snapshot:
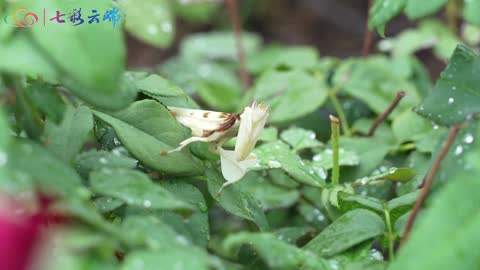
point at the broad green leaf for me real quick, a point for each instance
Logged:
(169, 258)
(371, 152)
(216, 84)
(152, 21)
(46, 99)
(235, 201)
(165, 91)
(28, 116)
(270, 248)
(217, 45)
(383, 11)
(358, 258)
(269, 195)
(290, 94)
(92, 68)
(349, 202)
(409, 126)
(371, 80)
(348, 230)
(280, 56)
(146, 129)
(456, 94)
(136, 189)
(419, 8)
(32, 166)
(325, 158)
(269, 134)
(300, 138)
(277, 155)
(401, 205)
(292, 235)
(196, 225)
(107, 204)
(196, 12)
(102, 160)
(443, 238)
(471, 9)
(66, 140)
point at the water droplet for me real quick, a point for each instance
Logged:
(317, 158)
(312, 136)
(147, 203)
(469, 138)
(274, 164)
(458, 150)
(451, 100)
(152, 29)
(167, 27)
(103, 160)
(3, 159)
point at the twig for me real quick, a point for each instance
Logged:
(237, 28)
(386, 113)
(338, 108)
(367, 37)
(429, 180)
(335, 124)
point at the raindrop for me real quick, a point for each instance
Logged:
(469, 138)
(274, 164)
(312, 136)
(317, 158)
(147, 203)
(152, 29)
(3, 158)
(458, 150)
(451, 100)
(103, 160)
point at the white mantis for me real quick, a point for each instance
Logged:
(217, 128)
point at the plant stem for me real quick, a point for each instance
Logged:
(339, 109)
(367, 38)
(335, 124)
(237, 28)
(386, 113)
(429, 180)
(452, 15)
(391, 239)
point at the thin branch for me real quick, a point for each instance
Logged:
(386, 113)
(335, 124)
(341, 114)
(428, 181)
(237, 28)
(367, 38)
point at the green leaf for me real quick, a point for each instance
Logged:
(371, 152)
(456, 94)
(409, 126)
(5, 139)
(300, 138)
(349, 202)
(136, 189)
(152, 21)
(282, 56)
(371, 80)
(196, 12)
(146, 129)
(383, 11)
(269, 247)
(76, 63)
(348, 230)
(67, 139)
(33, 165)
(401, 205)
(418, 8)
(443, 238)
(277, 155)
(98, 160)
(325, 159)
(471, 9)
(196, 226)
(235, 201)
(269, 195)
(170, 258)
(216, 84)
(164, 91)
(292, 235)
(217, 45)
(46, 99)
(400, 174)
(290, 94)
(28, 116)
